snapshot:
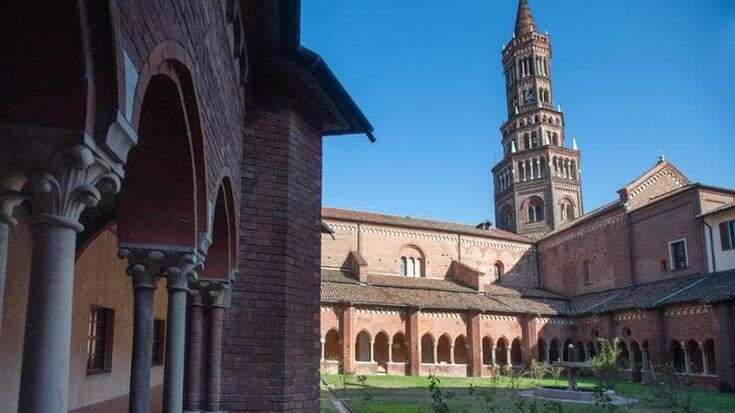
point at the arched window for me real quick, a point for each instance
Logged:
(677, 356)
(554, 351)
(380, 349)
(535, 206)
(427, 349)
(516, 353)
(411, 262)
(695, 357)
(487, 351)
(460, 350)
(501, 352)
(498, 270)
(710, 364)
(566, 210)
(541, 349)
(363, 347)
(637, 355)
(624, 355)
(587, 272)
(399, 348)
(332, 348)
(444, 350)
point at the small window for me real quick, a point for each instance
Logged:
(587, 269)
(159, 342)
(99, 339)
(678, 254)
(727, 235)
(499, 270)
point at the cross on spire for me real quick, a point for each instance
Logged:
(524, 19)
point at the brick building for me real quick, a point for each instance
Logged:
(654, 267)
(160, 198)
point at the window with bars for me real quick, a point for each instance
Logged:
(99, 339)
(159, 342)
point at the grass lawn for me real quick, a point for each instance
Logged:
(404, 394)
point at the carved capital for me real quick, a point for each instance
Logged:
(220, 295)
(69, 182)
(9, 200)
(179, 265)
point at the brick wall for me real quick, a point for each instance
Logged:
(271, 345)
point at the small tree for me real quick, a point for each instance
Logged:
(605, 366)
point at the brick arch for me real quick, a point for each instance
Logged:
(222, 253)
(487, 350)
(381, 350)
(332, 345)
(444, 348)
(400, 350)
(428, 344)
(460, 350)
(501, 351)
(164, 196)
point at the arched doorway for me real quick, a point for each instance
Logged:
(516, 353)
(380, 349)
(444, 350)
(427, 349)
(399, 348)
(501, 352)
(332, 347)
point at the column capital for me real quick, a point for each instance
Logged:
(71, 180)
(9, 200)
(179, 264)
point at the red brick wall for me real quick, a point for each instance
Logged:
(603, 241)
(652, 228)
(272, 333)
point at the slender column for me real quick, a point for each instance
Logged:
(372, 353)
(705, 367)
(143, 266)
(58, 196)
(177, 285)
(218, 303)
(436, 353)
(321, 340)
(390, 351)
(451, 354)
(547, 351)
(507, 356)
(8, 201)
(194, 352)
(492, 355)
(687, 360)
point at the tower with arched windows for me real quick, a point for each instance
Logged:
(537, 183)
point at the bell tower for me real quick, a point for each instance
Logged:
(537, 183)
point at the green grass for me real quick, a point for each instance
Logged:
(411, 394)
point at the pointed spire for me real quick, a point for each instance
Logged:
(524, 19)
(574, 144)
(512, 146)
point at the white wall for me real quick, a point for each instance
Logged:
(724, 260)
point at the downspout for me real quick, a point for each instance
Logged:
(711, 245)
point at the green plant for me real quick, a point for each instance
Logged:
(671, 390)
(439, 397)
(605, 363)
(538, 370)
(362, 379)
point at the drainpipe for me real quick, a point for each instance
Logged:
(711, 245)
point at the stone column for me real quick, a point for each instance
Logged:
(547, 352)
(143, 267)
(217, 303)
(687, 359)
(321, 340)
(705, 367)
(348, 351)
(194, 351)
(177, 282)
(451, 353)
(507, 355)
(8, 201)
(58, 196)
(436, 352)
(390, 350)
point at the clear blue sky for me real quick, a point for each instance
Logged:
(633, 78)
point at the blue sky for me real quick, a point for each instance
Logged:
(633, 78)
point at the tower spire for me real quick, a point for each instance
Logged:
(524, 19)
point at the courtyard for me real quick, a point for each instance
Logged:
(383, 393)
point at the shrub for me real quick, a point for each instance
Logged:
(670, 390)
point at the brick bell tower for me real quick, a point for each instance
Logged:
(537, 183)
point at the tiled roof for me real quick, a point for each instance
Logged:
(371, 217)
(338, 286)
